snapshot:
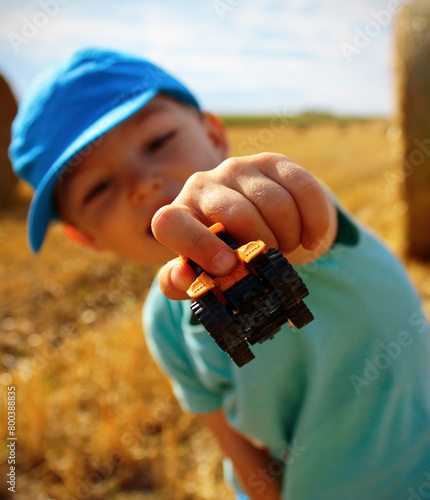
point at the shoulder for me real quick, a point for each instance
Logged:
(360, 268)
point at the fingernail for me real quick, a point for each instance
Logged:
(224, 261)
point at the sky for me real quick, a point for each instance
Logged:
(237, 56)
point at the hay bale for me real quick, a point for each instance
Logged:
(8, 180)
(413, 73)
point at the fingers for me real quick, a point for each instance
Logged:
(177, 228)
(278, 222)
(265, 197)
(288, 206)
(175, 278)
(220, 198)
(309, 198)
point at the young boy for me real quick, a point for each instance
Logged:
(123, 155)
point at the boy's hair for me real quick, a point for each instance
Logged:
(70, 106)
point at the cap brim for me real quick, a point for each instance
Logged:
(42, 210)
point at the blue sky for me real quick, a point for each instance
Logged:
(238, 56)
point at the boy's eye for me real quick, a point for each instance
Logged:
(159, 142)
(96, 190)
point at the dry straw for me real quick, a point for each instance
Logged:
(413, 73)
(8, 181)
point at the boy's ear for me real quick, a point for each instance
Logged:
(217, 132)
(80, 237)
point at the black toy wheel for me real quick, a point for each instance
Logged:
(275, 270)
(217, 321)
(300, 315)
(241, 354)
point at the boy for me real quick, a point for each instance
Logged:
(121, 152)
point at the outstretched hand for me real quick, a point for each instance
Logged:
(264, 196)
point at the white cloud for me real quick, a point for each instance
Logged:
(257, 52)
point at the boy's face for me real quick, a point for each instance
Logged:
(132, 171)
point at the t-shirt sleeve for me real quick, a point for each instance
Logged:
(162, 319)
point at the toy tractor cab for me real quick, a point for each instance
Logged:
(252, 303)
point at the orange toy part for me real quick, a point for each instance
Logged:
(217, 228)
(225, 282)
(201, 285)
(249, 251)
(220, 284)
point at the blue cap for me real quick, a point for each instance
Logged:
(68, 107)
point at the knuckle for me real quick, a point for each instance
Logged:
(237, 214)
(199, 243)
(275, 158)
(196, 181)
(287, 167)
(305, 183)
(231, 168)
(279, 162)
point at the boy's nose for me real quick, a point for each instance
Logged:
(143, 188)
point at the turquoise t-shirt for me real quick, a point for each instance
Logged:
(344, 402)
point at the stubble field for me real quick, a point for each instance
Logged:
(95, 417)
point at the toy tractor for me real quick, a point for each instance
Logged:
(252, 303)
